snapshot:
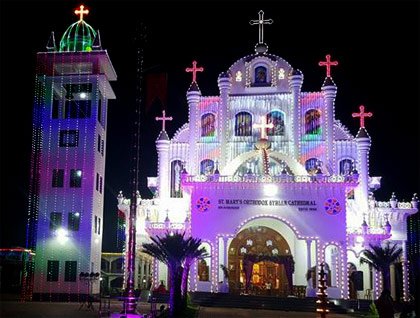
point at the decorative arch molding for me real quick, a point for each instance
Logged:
(297, 168)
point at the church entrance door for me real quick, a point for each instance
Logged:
(269, 277)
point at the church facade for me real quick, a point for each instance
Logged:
(273, 184)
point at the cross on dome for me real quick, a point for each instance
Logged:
(194, 69)
(263, 126)
(261, 23)
(362, 115)
(328, 63)
(81, 12)
(163, 119)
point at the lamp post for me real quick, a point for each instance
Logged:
(89, 278)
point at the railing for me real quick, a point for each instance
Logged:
(399, 205)
(264, 178)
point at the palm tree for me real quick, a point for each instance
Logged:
(177, 253)
(381, 258)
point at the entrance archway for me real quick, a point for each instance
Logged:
(268, 249)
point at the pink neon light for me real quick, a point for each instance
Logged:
(328, 63)
(81, 12)
(362, 115)
(163, 119)
(194, 70)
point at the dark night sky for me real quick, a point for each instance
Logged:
(376, 43)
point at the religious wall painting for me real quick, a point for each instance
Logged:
(207, 167)
(260, 76)
(346, 167)
(243, 124)
(276, 118)
(313, 122)
(208, 125)
(203, 265)
(176, 170)
(312, 165)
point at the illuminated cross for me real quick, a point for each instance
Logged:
(194, 70)
(362, 115)
(261, 23)
(328, 64)
(81, 12)
(163, 119)
(263, 127)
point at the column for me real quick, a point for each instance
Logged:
(308, 254)
(225, 255)
(193, 98)
(141, 272)
(392, 278)
(296, 81)
(225, 85)
(329, 90)
(405, 273)
(344, 275)
(162, 146)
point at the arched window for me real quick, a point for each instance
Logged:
(313, 122)
(207, 167)
(346, 167)
(311, 165)
(208, 125)
(176, 170)
(277, 119)
(260, 76)
(243, 124)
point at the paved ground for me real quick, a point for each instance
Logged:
(209, 312)
(14, 309)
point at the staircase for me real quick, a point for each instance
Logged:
(260, 302)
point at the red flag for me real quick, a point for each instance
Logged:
(156, 90)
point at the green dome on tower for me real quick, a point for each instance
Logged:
(79, 36)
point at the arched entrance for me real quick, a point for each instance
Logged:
(266, 247)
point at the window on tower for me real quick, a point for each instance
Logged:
(176, 171)
(243, 124)
(56, 220)
(75, 178)
(346, 167)
(208, 128)
(58, 178)
(276, 118)
(70, 271)
(313, 122)
(74, 221)
(69, 138)
(98, 146)
(55, 107)
(52, 271)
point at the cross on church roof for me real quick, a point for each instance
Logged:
(163, 119)
(328, 63)
(362, 115)
(194, 70)
(263, 126)
(261, 23)
(81, 12)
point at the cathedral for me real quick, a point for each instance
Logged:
(273, 184)
(264, 174)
